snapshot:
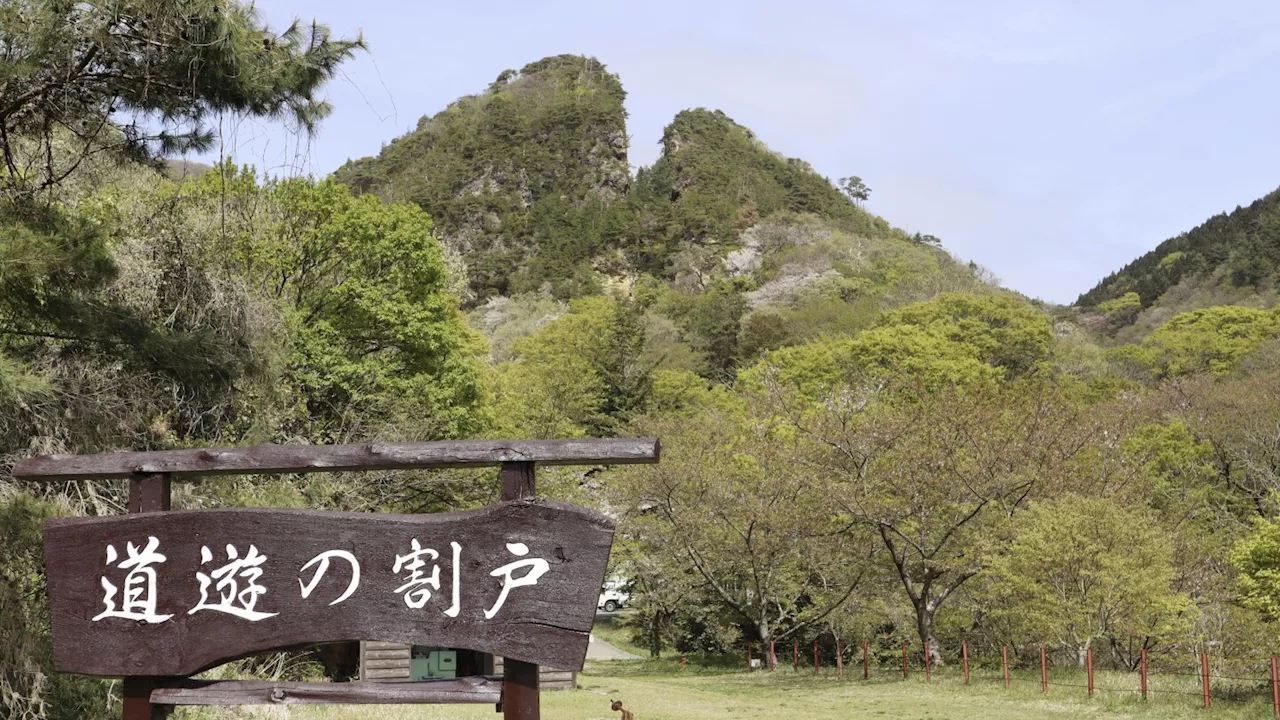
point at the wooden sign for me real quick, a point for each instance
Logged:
(174, 593)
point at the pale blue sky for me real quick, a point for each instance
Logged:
(1049, 141)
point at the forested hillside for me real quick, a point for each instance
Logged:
(1232, 258)
(863, 438)
(521, 178)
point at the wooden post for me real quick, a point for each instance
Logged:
(964, 656)
(928, 664)
(147, 493)
(795, 655)
(904, 660)
(1044, 672)
(815, 656)
(1089, 664)
(839, 659)
(773, 656)
(520, 698)
(1004, 654)
(1144, 673)
(1275, 686)
(866, 661)
(1204, 673)
(749, 668)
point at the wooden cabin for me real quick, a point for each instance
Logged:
(393, 662)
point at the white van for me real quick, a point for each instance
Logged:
(613, 596)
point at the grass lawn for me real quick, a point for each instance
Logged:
(662, 691)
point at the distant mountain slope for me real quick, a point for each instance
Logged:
(715, 178)
(732, 249)
(517, 178)
(1229, 257)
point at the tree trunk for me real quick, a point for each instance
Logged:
(655, 635)
(925, 610)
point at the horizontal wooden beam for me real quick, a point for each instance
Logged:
(256, 692)
(266, 459)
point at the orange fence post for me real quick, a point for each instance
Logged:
(1004, 654)
(748, 657)
(904, 661)
(839, 659)
(1275, 686)
(964, 654)
(1144, 673)
(928, 663)
(866, 661)
(795, 655)
(1204, 673)
(1044, 672)
(815, 656)
(1089, 662)
(773, 656)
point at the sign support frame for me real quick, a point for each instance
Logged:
(150, 476)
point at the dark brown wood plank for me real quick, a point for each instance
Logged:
(517, 480)
(248, 692)
(547, 622)
(330, 458)
(147, 493)
(520, 696)
(150, 493)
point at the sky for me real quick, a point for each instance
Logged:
(1049, 141)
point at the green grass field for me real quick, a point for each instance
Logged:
(664, 693)
(717, 687)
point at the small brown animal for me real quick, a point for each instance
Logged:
(626, 714)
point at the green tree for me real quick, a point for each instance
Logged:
(1211, 340)
(580, 374)
(375, 336)
(73, 70)
(733, 503)
(857, 190)
(1257, 559)
(936, 475)
(953, 339)
(1080, 570)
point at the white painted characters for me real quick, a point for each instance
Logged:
(417, 587)
(323, 559)
(138, 601)
(235, 587)
(233, 600)
(537, 568)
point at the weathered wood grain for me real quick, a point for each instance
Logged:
(147, 493)
(329, 458)
(520, 694)
(547, 623)
(245, 692)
